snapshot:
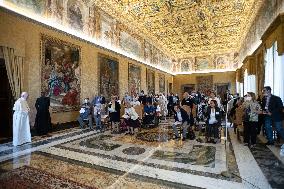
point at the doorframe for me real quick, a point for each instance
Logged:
(222, 84)
(187, 85)
(11, 101)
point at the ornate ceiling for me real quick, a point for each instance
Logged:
(186, 28)
(177, 36)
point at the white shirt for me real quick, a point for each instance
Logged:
(212, 118)
(130, 112)
(135, 103)
(179, 116)
(158, 110)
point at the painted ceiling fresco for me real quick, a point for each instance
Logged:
(187, 27)
(173, 35)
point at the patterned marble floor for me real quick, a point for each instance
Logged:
(149, 159)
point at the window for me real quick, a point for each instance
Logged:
(251, 83)
(238, 87)
(241, 89)
(268, 63)
(278, 74)
(246, 82)
(274, 71)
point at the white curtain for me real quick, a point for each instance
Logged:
(278, 85)
(246, 82)
(251, 84)
(241, 89)
(14, 66)
(268, 78)
(238, 87)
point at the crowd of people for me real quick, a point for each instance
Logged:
(251, 115)
(247, 114)
(193, 107)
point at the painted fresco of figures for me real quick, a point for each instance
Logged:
(60, 74)
(148, 51)
(202, 64)
(37, 6)
(130, 44)
(221, 63)
(134, 79)
(185, 66)
(167, 63)
(155, 56)
(58, 10)
(75, 16)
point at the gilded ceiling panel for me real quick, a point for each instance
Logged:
(187, 27)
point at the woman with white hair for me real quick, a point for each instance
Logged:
(21, 122)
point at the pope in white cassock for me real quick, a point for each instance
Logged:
(21, 122)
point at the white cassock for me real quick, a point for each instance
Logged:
(21, 123)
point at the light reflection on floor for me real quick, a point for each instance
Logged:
(150, 159)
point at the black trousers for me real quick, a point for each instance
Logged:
(170, 108)
(250, 132)
(148, 119)
(212, 130)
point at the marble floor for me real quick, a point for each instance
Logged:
(77, 158)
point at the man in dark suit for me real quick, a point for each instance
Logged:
(170, 104)
(181, 118)
(272, 107)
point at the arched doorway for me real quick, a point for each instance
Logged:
(6, 104)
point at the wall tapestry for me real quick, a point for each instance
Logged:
(205, 83)
(108, 76)
(134, 79)
(60, 73)
(162, 86)
(150, 81)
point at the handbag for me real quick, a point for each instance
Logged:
(247, 114)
